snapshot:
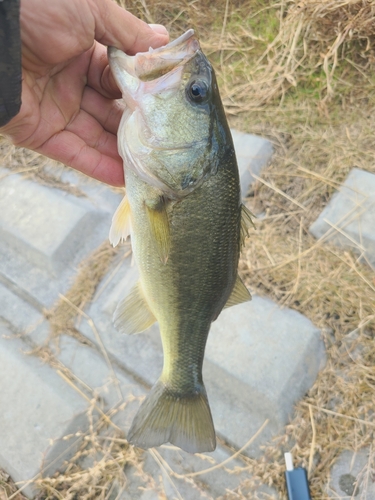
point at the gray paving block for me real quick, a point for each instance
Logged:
(352, 476)
(170, 473)
(44, 234)
(253, 154)
(212, 484)
(37, 409)
(259, 360)
(349, 218)
(107, 381)
(19, 315)
(42, 224)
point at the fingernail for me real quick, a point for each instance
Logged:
(159, 28)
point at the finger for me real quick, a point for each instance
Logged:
(99, 76)
(107, 112)
(92, 133)
(118, 27)
(74, 152)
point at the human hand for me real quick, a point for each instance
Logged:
(69, 112)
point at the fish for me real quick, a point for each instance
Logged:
(184, 214)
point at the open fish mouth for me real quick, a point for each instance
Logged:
(146, 66)
(163, 90)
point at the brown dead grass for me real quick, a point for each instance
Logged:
(300, 73)
(62, 316)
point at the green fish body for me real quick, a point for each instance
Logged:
(184, 213)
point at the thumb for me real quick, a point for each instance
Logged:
(118, 27)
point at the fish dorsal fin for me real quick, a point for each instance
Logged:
(159, 226)
(133, 314)
(246, 223)
(239, 294)
(121, 223)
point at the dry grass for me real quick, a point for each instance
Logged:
(327, 284)
(62, 317)
(300, 73)
(263, 48)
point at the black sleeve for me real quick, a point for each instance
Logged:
(10, 60)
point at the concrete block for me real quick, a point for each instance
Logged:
(135, 489)
(42, 224)
(352, 476)
(44, 234)
(37, 409)
(349, 218)
(193, 483)
(106, 381)
(18, 314)
(253, 153)
(259, 360)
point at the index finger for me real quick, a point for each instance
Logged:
(118, 27)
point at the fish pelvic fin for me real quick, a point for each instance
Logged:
(133, 315)
(246, 223)
(239, 294)
(121, 223)
(166, 416)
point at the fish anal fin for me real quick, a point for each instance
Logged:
(133, 314)
(183, 420)
(246, 223)
(159, 226)
(121, 223)
(239, 294)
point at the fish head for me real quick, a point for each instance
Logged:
(172, 131)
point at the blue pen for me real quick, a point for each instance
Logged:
(297, 484)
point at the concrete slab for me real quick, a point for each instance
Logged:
(349, 218)
(37, 409)
(19, 315)
(259, 360)
(42, 224)
(44, 234)
(106, 381)
(201, 476)
(352, 476)
(253, 154)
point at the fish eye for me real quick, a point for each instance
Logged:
(197, 91)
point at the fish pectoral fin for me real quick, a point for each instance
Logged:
(121, 223)
(159, 226)
(246, 223)
(133, 315)
(239, 294)
(181, 419)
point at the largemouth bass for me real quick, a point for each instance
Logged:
(187, 224)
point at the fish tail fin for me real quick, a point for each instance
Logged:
(166, 416)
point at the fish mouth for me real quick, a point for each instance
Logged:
(146, 66)
(151, 73)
